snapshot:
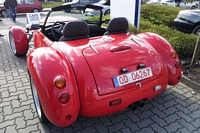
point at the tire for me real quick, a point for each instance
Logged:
(3, 13)
(193, 7)
(107, 12)
(35, 10)
(13, 45)
(196, 30)
(43, 119)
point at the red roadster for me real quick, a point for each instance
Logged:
(80, 67)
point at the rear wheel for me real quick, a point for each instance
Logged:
(3, 13)
(193, 7)
(36, 99)
(196, 30)
(35, 10)
(107, 12)
(12, 44)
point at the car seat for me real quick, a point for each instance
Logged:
(117, 26)
(75, 30)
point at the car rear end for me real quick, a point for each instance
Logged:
(116, 74)
(187, 20)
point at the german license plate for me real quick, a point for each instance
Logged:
(132, 77)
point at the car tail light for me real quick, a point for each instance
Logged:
(60, 82)
(64, 98)
(174, 55)
(178, 64)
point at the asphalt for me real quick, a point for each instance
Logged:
(176, 110)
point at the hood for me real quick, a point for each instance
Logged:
(113, 57)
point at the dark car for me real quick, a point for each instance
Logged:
(24, 6)
(80, 4)
(188, 21)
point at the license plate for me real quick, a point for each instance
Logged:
(132, 77)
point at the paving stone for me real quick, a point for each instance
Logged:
(126, 130)
(193, 107)
(31, 128)
(145, 114)
(144, 123)
(189, 126)
(183, 130)
(32, 121)
(21, 108)
(11, 129)
(158, 120)
(27, 114)
(172, 127)
(158, 112)
(101, 128)
(77, 126)
(116, 127)
(133, 126)
(4, 94)
(183, 109)
(87, 130)
(44, 128)
(106, 121)
(171, 110)
(90, 122)
(7, 123)
(171, 118)
(156, 128)
(159, 106)
(195, 114)
(146, 130)
(196, 123)
(15, 103)
(184, 116)
(20, 122)
(134, 117)
(169, 103)
(7, 110)
(10, 98)
(27, 102)
(13, 116)
(4, 103)
(118, 118)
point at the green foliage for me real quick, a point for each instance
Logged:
(159, 14)
(51, 4)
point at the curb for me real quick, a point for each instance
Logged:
(189, 82)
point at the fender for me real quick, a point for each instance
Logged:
(164, 48)
(46, 64)
(20, 39)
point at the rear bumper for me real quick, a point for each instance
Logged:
(100, 105)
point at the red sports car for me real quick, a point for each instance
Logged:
(79, 67)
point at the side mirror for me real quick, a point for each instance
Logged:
(30, 27)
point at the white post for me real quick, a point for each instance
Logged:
(126, 8)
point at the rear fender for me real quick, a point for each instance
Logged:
(20, 39)
(164, 49)
(45, 65)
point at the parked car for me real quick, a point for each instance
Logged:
(105, 9)
(24, 6)
(188, 21)
(79, 4)
(153, 2)
(182, 4)
(80, 67)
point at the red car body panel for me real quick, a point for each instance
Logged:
(20, 39)
(164, 49)
(89, 65)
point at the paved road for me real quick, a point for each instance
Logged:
(176, 110)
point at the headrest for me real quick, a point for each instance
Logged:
(119, 24)
(75, 29)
